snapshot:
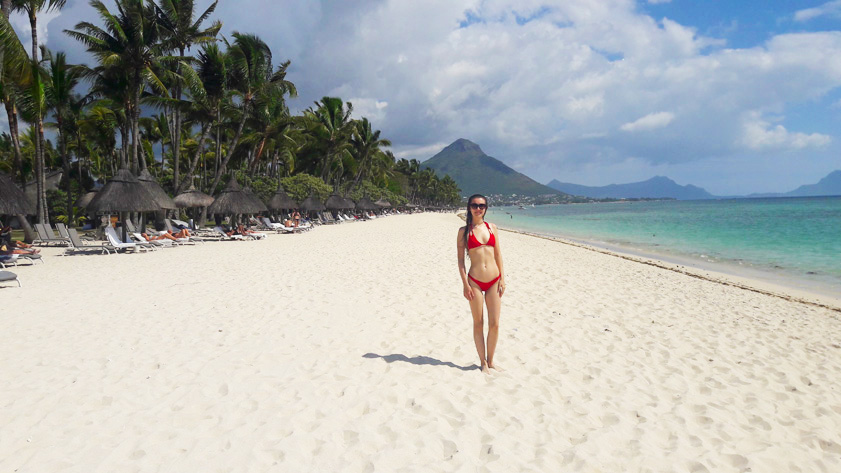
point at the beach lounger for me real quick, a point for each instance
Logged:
(77, 246)
(157, 243)
(225, 236)
(8, 260)
(9, 276)
(47, 237)
(115, 242)
(279, 227)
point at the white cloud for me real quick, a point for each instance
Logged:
(760, 134)
(421, 153)
(20, 23)
(549, 86)
(655, 2)
(832, 8)
(652, 121)
(372, 109)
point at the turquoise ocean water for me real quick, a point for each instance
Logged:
(794, 241)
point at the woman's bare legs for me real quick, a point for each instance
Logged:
(477, 307)
(494, 302)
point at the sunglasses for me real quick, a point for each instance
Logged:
(478, 206)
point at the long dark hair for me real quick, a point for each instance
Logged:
(470, 216)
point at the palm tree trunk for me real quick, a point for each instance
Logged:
(135, 124)
(231, 149)
(205, 130)
(40, 181)
(65, 165)
(125, 143)
(175, 138)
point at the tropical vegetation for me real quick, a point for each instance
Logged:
(169, 94)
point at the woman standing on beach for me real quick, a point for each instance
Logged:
(484, 284)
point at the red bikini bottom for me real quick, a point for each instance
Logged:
(484, 286)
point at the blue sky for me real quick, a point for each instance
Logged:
(733, 96)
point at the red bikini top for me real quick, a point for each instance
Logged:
(472, 242)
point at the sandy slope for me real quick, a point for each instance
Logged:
(349, 348)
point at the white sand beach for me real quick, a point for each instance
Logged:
(349, 348)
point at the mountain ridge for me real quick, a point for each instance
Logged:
(663, 187)
(658, 187)
(477, 173)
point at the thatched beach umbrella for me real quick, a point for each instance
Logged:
(311, 204)
(366, 204)
(281, 200)
(192, 198)
(234, 200)
(349, 203)
(334, 202)
(383, 203)
(85, 199)
(158, 193)
(12, 200)
(123, 193)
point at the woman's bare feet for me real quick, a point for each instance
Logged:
(485, 369)
(495, 367)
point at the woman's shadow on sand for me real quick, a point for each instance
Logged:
(420, 360)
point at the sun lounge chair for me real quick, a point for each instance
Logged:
(62, 230)
(165, 243)
(47, 237)
(141, 242)
(114, 240)
(9, 260)
(278, 227)
(9, 276)
(77, 246)
(130, 226)
(225, 236)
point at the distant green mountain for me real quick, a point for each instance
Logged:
(658, 187)
(477, 173)
(829, 185)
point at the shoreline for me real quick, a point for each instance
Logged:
(696, 269)
(745, 282)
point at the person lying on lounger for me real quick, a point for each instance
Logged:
(163, 236)
(9, 247)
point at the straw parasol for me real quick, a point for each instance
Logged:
(334, 202)
(123, 193)
(349, 203)
(383, 203)
(12, 200)
(281, 200)
(311, 204)
(234, 200)
(85, 199)
(192, 198)
(366, 204)
(151, 184)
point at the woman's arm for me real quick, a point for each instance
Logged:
(498, 258)
(468, 292)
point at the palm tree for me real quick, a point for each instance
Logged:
(366, 148)
(331, 126)
(207, 84)
(14, 71)
(31, 8)
(61, 100)
(128, 42)
(181, 32)
(110, 89)
(250, 75)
